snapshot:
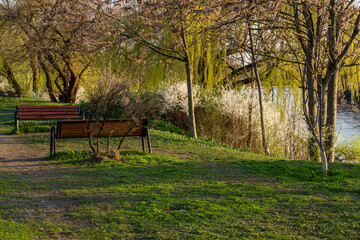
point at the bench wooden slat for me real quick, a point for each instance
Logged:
(106, 127)
(24, 111)
(67, 130)
(48, 107)
(53, 116)
(104, 133)
(47, 113)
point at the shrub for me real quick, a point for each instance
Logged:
(224, 115)
(112, 97)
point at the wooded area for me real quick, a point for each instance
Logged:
(309, 46)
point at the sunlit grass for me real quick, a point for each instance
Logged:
(186, 189)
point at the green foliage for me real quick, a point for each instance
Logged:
(167, 126)
(348, 150)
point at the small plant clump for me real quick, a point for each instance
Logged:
(112, 97)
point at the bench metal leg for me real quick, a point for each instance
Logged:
(148, 140)
(52, 140)
(16, 121)
(143, 145)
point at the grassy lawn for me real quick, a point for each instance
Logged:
(187, 189)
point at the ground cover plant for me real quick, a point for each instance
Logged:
(187, 189)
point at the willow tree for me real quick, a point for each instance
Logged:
(172, 29)
(11, 58)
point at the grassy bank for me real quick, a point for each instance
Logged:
(187, 189)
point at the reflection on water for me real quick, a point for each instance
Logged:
(348, 124)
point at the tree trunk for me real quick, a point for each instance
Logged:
(48, 81)
(11, 77)
(192, 122)
(330, 133)
(266, 149)
(314, 150)
(35, 75)
(251, 106)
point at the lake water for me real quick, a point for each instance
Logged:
(348, 124)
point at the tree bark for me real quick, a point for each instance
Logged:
(11, 77)
(35, 75)
(330, 132)
(266, 149)
(48, 81)
(314, 150)
(251, 125)
(191, 109)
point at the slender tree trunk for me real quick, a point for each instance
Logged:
(192, 122)
(251, 105)
(331, 117)
(258, 83)
(189, 80)
(312, 108)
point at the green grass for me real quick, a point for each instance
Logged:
(187, 189)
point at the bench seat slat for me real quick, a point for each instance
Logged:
(48, 107)
(67, 130)
(47, 113)
(107, 133)
(106, 127)
(103, 134)
(53, 116)
(24, 111)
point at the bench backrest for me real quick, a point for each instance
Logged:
(113, 128)
(48, 112)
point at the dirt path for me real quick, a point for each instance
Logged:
(21, 162)
(17, 158)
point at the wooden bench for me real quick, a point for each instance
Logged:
(47, 113)
(112, 128)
